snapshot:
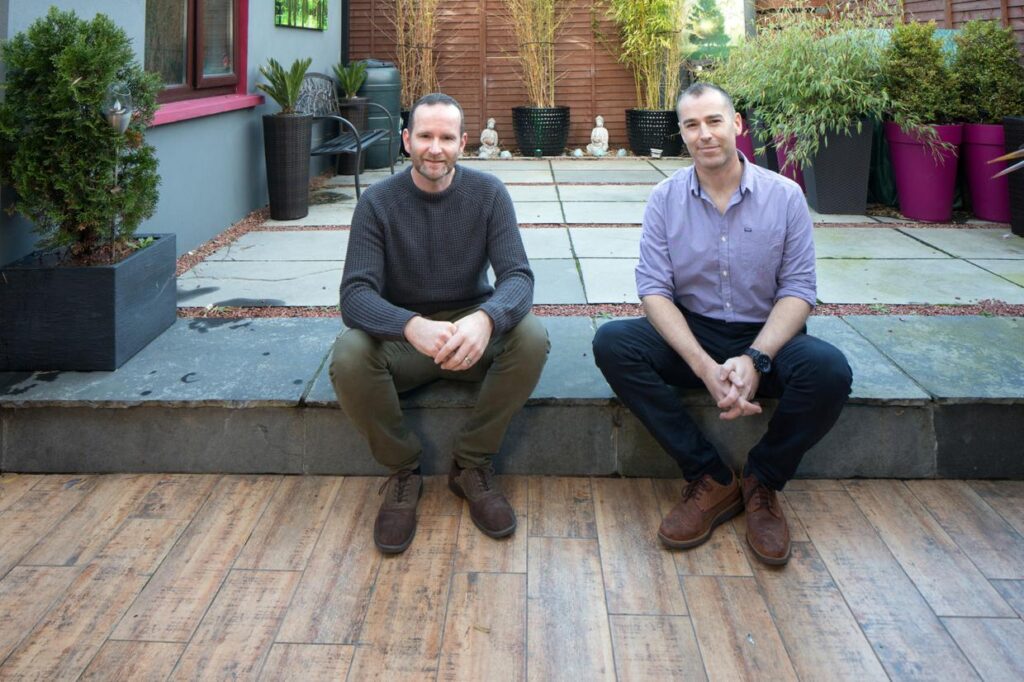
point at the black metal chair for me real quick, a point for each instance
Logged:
(319, 97)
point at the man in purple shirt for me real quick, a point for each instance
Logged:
(726, 277)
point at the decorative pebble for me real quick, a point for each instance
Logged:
(577, 153)
(621, 152)
(505, 154)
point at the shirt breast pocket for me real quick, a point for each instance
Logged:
(760, 250)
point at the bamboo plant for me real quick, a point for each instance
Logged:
(654, 41)
(536, 25)
(416, 55)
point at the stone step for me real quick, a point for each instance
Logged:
(932, 397)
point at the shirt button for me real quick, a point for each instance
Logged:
(723, 238)
(725, 273)
(728, 305)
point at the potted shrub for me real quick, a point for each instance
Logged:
(817, 82)
(286, 141)
(732, 73)
(542, 128)
(353, 108)
(991, 84)
(923, 137)
(653, 45)
(416, 54)
(72, 135)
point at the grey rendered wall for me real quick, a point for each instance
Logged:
(211, 168)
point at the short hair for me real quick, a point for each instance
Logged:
(436, 98)
(701, 88)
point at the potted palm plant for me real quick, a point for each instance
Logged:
(73, 148)
(991, 84)
(286, 140)
(353, 108)
(923, 134)
(653, 46)
(542, 128)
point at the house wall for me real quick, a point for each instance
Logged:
(211, 168)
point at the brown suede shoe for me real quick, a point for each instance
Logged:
(767, 532)
(705, 504)
(396, 520)
(488, 508)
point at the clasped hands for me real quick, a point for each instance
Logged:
(455, 346)
(733, 385)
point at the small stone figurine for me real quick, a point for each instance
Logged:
(489, 142)
(598, 139)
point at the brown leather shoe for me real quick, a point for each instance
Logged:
(396, 521)
(767, 532)
(705, 504)
(488, 508)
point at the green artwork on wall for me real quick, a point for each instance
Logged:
(301, 14)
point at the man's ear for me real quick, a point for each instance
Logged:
(405, 140)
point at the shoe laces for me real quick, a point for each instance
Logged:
(400, 490)
(763, 497)
(695, 488)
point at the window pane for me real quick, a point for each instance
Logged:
(218, 38)
(166, 39)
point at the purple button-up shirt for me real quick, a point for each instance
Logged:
(730, 267)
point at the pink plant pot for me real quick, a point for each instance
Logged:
(745, 143)
(990, 198)
(924, 182)
(793, 171)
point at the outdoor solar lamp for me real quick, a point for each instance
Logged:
(117, 107)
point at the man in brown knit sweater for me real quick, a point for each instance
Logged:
(418, 307)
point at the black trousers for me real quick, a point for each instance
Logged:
(810, 377)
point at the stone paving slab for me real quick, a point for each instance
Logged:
(840, 242)
(602, 164)
(270, 283)
(979, 243)
(875, 377)
(897, 281)
(543, 212)
(671, 164)
(271, 361)
(506, 164)
(614, 177)
(366, 178)
(523, 176)
(528, 193)
(557, 282)
(600, 212)
(320, 214)
(953, 358)
(309, 245)
(604, 193)
(609, 280)
(608, 242)
(1012, 270)
(827, 218)
(546, 242)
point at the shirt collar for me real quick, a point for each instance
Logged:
(746, 178)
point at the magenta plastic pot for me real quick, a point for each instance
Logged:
(745, 143)
(793, 171)
(924, 183)
(990, 198)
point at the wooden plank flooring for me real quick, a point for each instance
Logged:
(157, 577)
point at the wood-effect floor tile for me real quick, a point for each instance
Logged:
(639, 574)
(561, 507)
(485, 631)
(1013, 592)
(307, 663)
(29, 518)
(477, 552)
(134, 661)
(994, 645)
(904, 632)
(285, 535)
(1006, 497)
(177, 496)
(26, 593)
(655, 648)
(13, 486)
(330, 603)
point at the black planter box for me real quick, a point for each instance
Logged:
(286, 147)
(1013, 130)
(540, 131)
(647, 129)
(85, 318)
(837, 177)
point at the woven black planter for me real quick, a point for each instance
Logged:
(1013, 128)
(85, 318)
(649, 129)
(286, 144)
(837, 176)
(541, 131)
(353, 109)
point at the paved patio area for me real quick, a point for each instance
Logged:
(580, 224)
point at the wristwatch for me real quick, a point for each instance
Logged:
(762, 363)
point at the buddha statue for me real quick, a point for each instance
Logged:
(598, 139)
(489, 142)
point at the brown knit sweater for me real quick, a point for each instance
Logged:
(413, 252)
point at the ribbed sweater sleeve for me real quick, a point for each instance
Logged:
(412, 252)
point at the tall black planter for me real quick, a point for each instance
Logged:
(1013, 129)
(286, 144)
(353, 109)
(837, 176)
(759, 136)
(541, 131)
(656, 129)
(85, 318)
